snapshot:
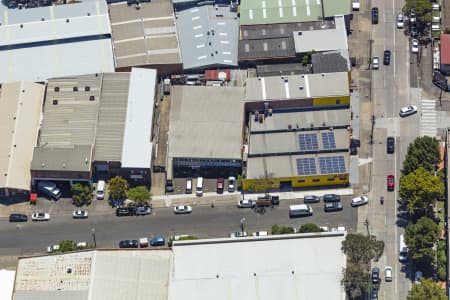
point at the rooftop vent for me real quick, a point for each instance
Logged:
(91, 98)
(55, 102)
(21, 25)
(67, 20)
(87, 88)
(300, 87)
(69, 270)
(42, 19)
(299, 33)
(56, 88)
(75, 89)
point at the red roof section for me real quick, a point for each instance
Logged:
(445, 49)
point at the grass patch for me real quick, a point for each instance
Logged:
(436, 35)
(435, 13)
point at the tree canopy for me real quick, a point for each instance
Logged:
(419, 189)
(361, 249)
(139, 194)
(422, 9)
(81, 194)
(427, 289)
(277, 229)
(117, 188)
(309, 227)
(356, 280)
(423, 152)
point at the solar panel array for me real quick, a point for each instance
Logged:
(306, 166)
(331, 164)
(308, 141)
(328, 140)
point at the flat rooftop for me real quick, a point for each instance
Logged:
(297, 86)
(145, 36)
(208, 36)
(206, 122)
(331, 61)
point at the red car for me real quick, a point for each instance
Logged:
(220, 185)
(390, 182)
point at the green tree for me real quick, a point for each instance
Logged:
(139, 194)
(181, 238)
(422, 9)
(420, 239)
(361, 249)
(81, 194)
(277, 229)
(423, 152)
(356, 280)
(309, 227)
(117, 188)
(419, 189)
(67, 245)
(427, 289)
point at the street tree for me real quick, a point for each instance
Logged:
(139, 194)
(309, 227)
(361, 249)
(422, 152)
(422, 9)
(277, 229)
(117, 188)
(427, 289)
(419, 189)
(356, 280)
(420, 239)
(66, 245)
(81, 194)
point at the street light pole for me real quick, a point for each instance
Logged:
(93, 237)
(242, 225)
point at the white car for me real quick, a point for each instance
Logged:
(400, 21)
(388, 273)
(375, 63)
(408, 110)
(359, 201)
(260, 233)
(412, 17)
(238, 234)
(80, 214)
(414, 46)
(81, 245)
(52, 248)
(40, 217)
(182, 209)
(246, 204)
(231, 184)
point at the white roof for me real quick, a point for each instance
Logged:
(7, 283)
(137, 146)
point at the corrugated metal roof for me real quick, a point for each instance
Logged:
(137, 145)
(282, 69)
(20, 114)
(445, 49)
(331, 61)
(266, 49)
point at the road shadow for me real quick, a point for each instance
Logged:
(11, 200)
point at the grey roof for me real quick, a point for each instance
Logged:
(206, 122)
(329, 37)
(282, 69)
(297, 86)
(68, 40)
(329, 62)
(208, 36)
(75, 158)
(145, 36)
(266, 49)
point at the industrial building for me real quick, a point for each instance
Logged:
(95, 127)
(20, 115)
(145, 36)
(205, 131)
(59, 40)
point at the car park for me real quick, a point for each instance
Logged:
(125, 211)
(52, 248)
(260, 233)
(414, 46)
(311, 199)
(40, 217)
(387, 57)
(18, 218)
(182, 209)
(157, 241)
(408, 110)
(220, 185)
(375, 15)
(143, 210)
(358, 201)
(375, 63)
(331, 198)
(80, 214)
(129, 244)
(390, 183)
(246, 203)
(375, 275)
(231, 184)
(238, 234)
(388, 273)
(332, 206)
(390, 144)
(400, 21)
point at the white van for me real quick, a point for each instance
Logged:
(300, 210)
(435, 27)
(199, 188)
(189, 186)
(100, 193)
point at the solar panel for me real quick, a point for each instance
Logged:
(306, 166)
(308, 141)
(328, 140)
(332, 164)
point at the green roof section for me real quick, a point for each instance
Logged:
(337, 7)
(290, 11)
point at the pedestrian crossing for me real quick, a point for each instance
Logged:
(428, 119)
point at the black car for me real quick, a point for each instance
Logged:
(390, 145)
(332, 206)
(387, 57)
(331, 198)
(18, 218)
(414, 32)
(374, 293)
(169, 186)
(125, 211)
(355, 143)
(375, 275)
(129, 244)
(375, 15)
(311, 199)
(353, 151)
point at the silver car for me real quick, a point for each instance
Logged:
(375, 63)
(182, 209)
(408, 110)
(40, 217)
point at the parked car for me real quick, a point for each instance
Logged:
(414, 46)
(400, 21)
(80, 214)
(413, 31)
(386, 57)
(238, 234)
(231, 184)
(157, 241)
(169, 186)
(332, 206)
(40, 217)
(275, 199)
(52, 248)
(220, 185)
(388, 273)
(390, 145)
(390, 183)
(125, 211)
(353, 151)
(374, 15)
(260, 233)
(331, 198)
(408, 110)
(182, 209)
(143, 242)
(18, 218)
(358, 201)
(374, 295)
(418, 276)
(246, 203)
(375, 275)
(311, 199)
(412, 17)
(375, 63)
(129, 244)
(143, 210)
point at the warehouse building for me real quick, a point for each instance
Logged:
(145, 37)
(205, 131)
(59, 40)
(20, 115)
